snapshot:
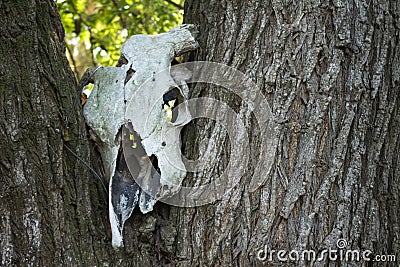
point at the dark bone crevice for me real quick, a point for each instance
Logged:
(125, 191)
(172, 94)
(122, 61)
(129, 74)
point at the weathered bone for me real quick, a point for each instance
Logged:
(122, 105)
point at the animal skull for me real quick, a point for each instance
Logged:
(129, 113)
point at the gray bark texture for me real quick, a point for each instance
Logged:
(52, 209)
(331, 74)
(330, 71)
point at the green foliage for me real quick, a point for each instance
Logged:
(96, 29)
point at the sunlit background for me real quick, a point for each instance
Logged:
(96, 30)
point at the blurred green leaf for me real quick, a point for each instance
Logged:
(96, 30)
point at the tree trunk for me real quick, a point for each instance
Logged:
(53, 210)
(330, 72)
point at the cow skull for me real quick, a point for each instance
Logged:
(130, 112)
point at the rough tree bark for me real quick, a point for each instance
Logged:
(53, 211)
(330, 71)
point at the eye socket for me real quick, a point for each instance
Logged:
(171, 100)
